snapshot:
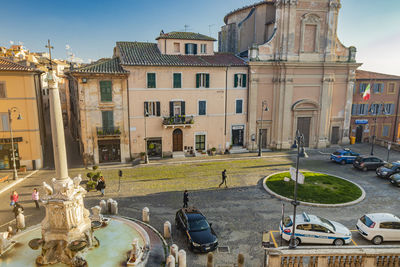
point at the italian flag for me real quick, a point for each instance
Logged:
(367, 92)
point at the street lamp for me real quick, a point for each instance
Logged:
(146, 156)
(10, 111)
(264, 104)
(376, 111)
(298, 143)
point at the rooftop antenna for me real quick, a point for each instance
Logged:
(50, 47)
(186, 27)
(209, 29)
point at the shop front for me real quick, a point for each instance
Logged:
(6, 153)
(109, 150)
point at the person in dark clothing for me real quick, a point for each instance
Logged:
(223, 178)
(16, 208)
(101, 185)
(185, 199)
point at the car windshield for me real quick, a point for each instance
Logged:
(327, 223)
(287, 221)
(366, 220)
(336, 153)
(388, 165)
(198, 225)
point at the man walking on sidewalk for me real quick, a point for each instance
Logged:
(185, 199)
(223, 179)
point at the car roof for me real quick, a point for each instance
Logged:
(382, 217)
(195, 216)
(191, 210)
(306, 218)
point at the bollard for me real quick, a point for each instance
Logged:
(146, 215)
(181, 258)
(210, 259)
(173, 250)
(167, 229)
(171, 261)
(114, 207)
(20, 221)
(103, 206)
(96, 216)
(240, 260)
(109, 201)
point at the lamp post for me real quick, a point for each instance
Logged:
(146, 156)
(376, 111)
(264, 103)
(298, 143)
(10, 111)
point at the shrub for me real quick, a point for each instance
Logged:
(91, 185)
(95, 167)
(213, 149)
(90, 175)
(142, 154)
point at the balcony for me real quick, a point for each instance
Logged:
(178, 121)
(108, 131)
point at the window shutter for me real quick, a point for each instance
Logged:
(207, 80)
(110, 119)
(391, 109)
(171, 108)
(186, 49)
(2, 90)
(151, 80)
(366, 109)
(235, 84)
(353, 109)
(194, 49)
(177, 80)
(146, 108)
(183, 107)
(197, 80)
(158, 109)
(244, 80)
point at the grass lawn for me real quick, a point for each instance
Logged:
(317, 188)
(146, 179)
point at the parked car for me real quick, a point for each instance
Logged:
(200, 235)
(368, 163)
(388, 169)
(315, 229)
(379, 227)
(344, 156)
(395, 179)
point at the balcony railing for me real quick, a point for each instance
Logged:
(108, 131)
(178, 120)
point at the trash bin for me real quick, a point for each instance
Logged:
(352, 140)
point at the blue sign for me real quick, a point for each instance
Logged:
(361, 121)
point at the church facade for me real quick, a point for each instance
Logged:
(297, 67)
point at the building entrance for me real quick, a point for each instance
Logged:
(359, 133)
(154, 147)
(335, 135)
(264, 138)
(177, 140)
(237, 135)
(109, 151)
(303, 125)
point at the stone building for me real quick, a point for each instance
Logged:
(379, 115)
(20, 93)
(99, 111)
(298, 65)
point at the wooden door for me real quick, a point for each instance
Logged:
(303, 124)
(359, 133)
(264, 138)
(335, 135)
(177, 140)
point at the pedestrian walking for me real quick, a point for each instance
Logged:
(35, 197)
(185, 199)
(17, 209)
(13, 198)
(101, 185)
(223, 178)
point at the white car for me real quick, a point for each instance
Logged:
(314, 229)
(379, 227)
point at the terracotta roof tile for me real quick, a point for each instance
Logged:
(8, 65)
(148, 54)
(369, 75)
(185, 36)
(108, 66)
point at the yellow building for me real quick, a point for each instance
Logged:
(20, 95)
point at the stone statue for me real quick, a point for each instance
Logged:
(48, 189)
(77, 181)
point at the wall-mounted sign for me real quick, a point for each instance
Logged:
(361, 121)
(8, 140)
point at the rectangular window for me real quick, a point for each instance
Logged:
(176, 108)
(202, 80)
(378, 88)
(151, 80)
(177, 80)
(177, 47)
(239, 106)
(152, 108)
(4, 122)
(108, 119)
(375, 109)
(203, 48)
(200, 142)
(190, 49)
(391, 88)
(363, 109)
(202, 107)
(363, 86)
(106, 91)
(354, 109)
(385, 130)
(389, 109)
(240, 80)
(3, 90)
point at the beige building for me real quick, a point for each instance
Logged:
(184, 98)
(298, 65)
(20, 93)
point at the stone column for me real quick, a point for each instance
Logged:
(252, 108)
(57, 129)
(325, 111)
(347, 108)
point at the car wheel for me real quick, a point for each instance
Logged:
(343, 162)
(297, 241)
(377, 240)
(338, 242)
(365, 169)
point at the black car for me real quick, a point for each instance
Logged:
(388, 169)
(395, 179)
(201, 236)
(368, 163)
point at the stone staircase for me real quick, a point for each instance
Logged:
(238, 150)
(178, 154)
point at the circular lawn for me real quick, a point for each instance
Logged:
(317, 188)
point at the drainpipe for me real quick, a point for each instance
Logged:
(396, 116)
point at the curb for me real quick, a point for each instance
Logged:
(361, 198)
(17, 182)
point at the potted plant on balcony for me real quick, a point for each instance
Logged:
(191, 121)
(213, 151)
(100, 132)
(117, 131)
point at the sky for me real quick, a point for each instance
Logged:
(90, 28)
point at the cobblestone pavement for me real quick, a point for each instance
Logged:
(240, 213)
